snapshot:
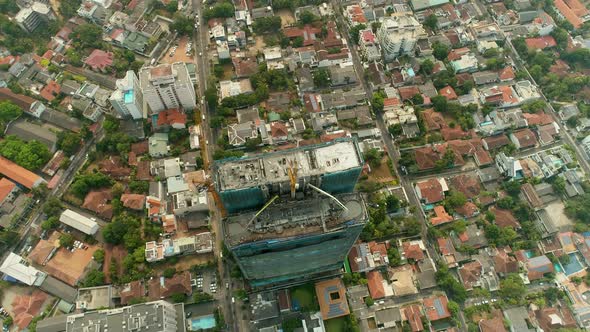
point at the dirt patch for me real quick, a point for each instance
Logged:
(185, 263)
(259, 45)
(557, 214)
(116, 253)
(287, 17)
(381, 174)
(10, 293)
(180, 54)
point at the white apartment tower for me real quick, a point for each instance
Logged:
(398, 35)
(167, 86)
(127, 100)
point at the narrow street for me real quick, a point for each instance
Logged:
(201, 42)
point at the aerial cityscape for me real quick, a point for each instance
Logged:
(295, 166)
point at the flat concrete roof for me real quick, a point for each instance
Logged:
(316, 214)
(273, 167)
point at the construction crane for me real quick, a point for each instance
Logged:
(207, 183)
(261, 210)
(292, 170)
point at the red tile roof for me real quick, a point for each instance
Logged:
(507, 74)
(412, 251)
(572, 10)
(19, 174)
(407, 92)
(140, 147)
(50, 91)
(495, 142)
(448, 92)
(504, 263)
(467, 210)
(456, 133)
(432, 305)
(470, 274)
(133, 201)
(526, 138)
(99, 59)
(414, 316)
(278, 129)
(132, 290)
(97, 201)
(26, 307)
(431, 191)
(434, 120)
(537, 119)
(469, 185)
(6, 187)
(171, 117)
(21, 101)
(114, 166)
(375, 284)
(495, 324)
(504, 218)
(179, 283)
(441, 216)
(539, 43)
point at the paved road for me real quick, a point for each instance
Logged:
(201, 42)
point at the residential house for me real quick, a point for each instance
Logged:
(523, 139)
(432, 190)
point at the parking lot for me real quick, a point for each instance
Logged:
(179, 54)
(207, 281)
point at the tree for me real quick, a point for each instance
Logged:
(373, 157)
(431, 22)
(512, 289)
(172, 6)
(52, 207)
(84, 183)
(69, 142)
(394, 256)
(355, 32)
(377, 102)
(269, 24)
(321, 78)
(439, 103)
(221, 10)
(93, 279)
(31, 155)
(426, 67)
(450, 284)
(88, 36)
(178, 297)
(66, 240)
(98, 256)
(307, 17)
(201, 297)
(440, 50)
(9, 111)
(453, 308)
(139, 187)
(369, 301)
(169, 272)
(182, 24)
(455, 200)
(50, 223)
(561, 37)
(395, 129)
(512, 188)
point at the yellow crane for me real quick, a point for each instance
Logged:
(292, 170)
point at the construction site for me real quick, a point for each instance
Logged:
(293, 215)
(249, 183)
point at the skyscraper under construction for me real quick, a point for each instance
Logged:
(293, 215)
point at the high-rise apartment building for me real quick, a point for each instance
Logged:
(167, 86)
(127, 100)
(158, 316)
(31, 16)
(398, 35)
(293, 216)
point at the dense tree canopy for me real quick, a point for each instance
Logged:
(84, 183)
(88, 36)
(31, 155)
(269, 24)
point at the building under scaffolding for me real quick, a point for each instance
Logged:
(293, 241)
(249, 183)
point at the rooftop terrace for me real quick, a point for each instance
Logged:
(315, 215)
(273, 167)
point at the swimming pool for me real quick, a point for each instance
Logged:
(574, 265)
(202, 323)
(529, 253)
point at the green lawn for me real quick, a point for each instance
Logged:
(335, 324)
(306, 297)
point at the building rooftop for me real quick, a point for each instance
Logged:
(332, 298)
(313, 160)
(19, 174)
(285, 219)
